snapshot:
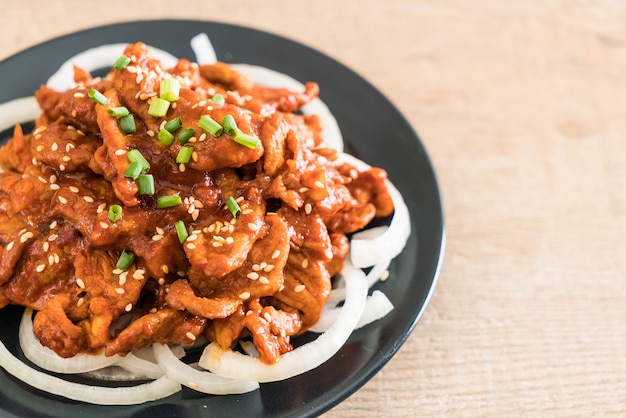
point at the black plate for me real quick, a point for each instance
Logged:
(374, 131)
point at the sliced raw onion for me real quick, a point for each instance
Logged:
(24, 109)
(269, 78)
(302, 359)
(377, 306)
(203, 49)
(99, 395)
(99, 57)
(47, 359)
(338, 294)
(140, 367)
(201, 381)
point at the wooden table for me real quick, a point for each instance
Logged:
(522, 106)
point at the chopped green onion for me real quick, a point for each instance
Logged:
(117, 111)
(158, 107)
(145, 182)
(134, 170)
(168, 201)
(233, 206)
(166, 137)
(209, 125)
(135, 156)
(181, 231)
(219, 99)
(246, 140)
(173, 125)
(230, 126)
(121, 62)
(127, 124)
(126, 260)
(97, 97)
(184, 155)
(115, 213)
(169, 89)
(185, 134)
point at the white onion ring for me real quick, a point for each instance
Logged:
(338, 294)
(47, 359)
(203, 49)
(267, 77)
(22, 110)
(304, 358)
(99, 395)
(140, 367)
(377, 306)
(96, 58)
(201, 381)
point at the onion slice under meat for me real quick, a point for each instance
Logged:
(47, 359)
(24, 109)
(99, 395)
(304, 358)
(201, 381)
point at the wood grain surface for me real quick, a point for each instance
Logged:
(522, 107)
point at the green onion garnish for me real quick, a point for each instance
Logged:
(97, 97)
(219, 99)
(126, 260)
(158, 107)
(184, 155)
(169, 89)
(121, 62)
(246, 140)
(230, 126)
(233, 206)
(115, 213)
(209, 125)
(135, 156)
(134, 170)
(168, 201)
(127, 124)
(117, 111)
(166, 137)
(185, 134)
(145, 182)
(181, 231)
(173, 125)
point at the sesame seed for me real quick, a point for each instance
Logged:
(80, 283)
(191, 336)
(104, 225)
(165, 268)
(123, 278)
(119, 291)
(40, 148)
(53, 179)
(305, 263)
(319, 184)
(69, 147)
(131, 69)
(192, 139)
(53, 237)
(219, 238)
(215, 244)
(150, 133)
(303, 189)
(38, 136)
(117, 271)
(267, 317)
(41, 179)
(253, 275)
(54, 186)
(50, 259)
(101, 207)
(230, 240)
(209, 229)
(120, 152)
(143, 96)
(354, 174)
(308, 208)
(264, 280)
(10, 246)
(191, 209)
(139, 78)
(181, 167)
(202, 137)
(269, 268)
(62, 167)
(244, 295)
(54, 146)
(153, 310)
(22, 231)
(256, 267)
(252, 226)
(79, 95)
(128, 307)
(27, 235)
(181, 273)
(139, 274)
(281, 288)
(53, 224)
(80, 302)
(192, 246)
(34, 161)
(275, 254)
(40, 268)
(246, 211)
(56, 258)
(46, 246)
(194, 155)
(66, 158)
(161, 281)
(195, 214)
(328, 253)
(157, 237)
(88, 199)
(74, 189)
(283, 333)
(192, 237)
(263, 265)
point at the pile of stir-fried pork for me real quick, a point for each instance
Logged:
(262, 272)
